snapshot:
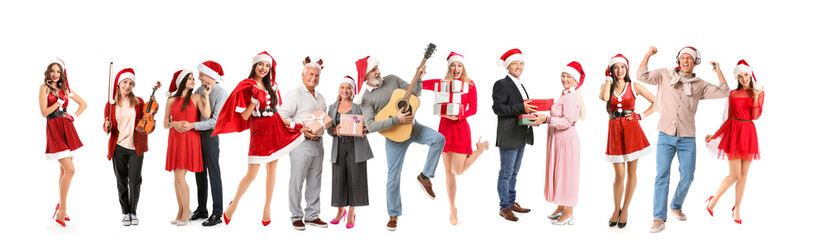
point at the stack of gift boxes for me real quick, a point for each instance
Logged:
(541, 106)
(449, 96)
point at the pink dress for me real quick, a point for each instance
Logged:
(562, 162)
(457, 133)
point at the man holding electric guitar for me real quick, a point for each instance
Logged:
(388, 109)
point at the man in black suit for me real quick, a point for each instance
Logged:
(509, 97)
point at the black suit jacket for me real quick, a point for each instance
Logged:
(508, 106)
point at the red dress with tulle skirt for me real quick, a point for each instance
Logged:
(737, 137)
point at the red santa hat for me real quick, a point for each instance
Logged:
(265, 57)
(691, 51)
(743, 66)
(212, 69)
(575, 69)
(510, 56)
(177, 78)
(618, 58)
(352, 82)
(123, 74)
(454, 57)
(364, 66)
(64, 73)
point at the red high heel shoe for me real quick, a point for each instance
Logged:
(738, 221)
(226, 219)
(265, 223)
(60, 222)
(708, 201)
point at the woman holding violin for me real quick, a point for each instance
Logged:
(126, 146)
(62, 142)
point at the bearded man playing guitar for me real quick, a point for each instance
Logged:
(374, 101)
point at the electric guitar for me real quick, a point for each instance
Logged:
(403, 101)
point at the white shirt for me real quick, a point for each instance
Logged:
(522, 90)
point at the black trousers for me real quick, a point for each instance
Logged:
(349, 179)
(210, 147)
(127, 167)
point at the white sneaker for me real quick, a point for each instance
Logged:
(133, 219)
(126, 220)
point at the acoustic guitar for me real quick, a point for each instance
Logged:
(403, 101)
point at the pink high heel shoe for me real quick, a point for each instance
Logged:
(335, 221)
(351, 225)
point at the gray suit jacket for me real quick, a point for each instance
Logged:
(362, 150)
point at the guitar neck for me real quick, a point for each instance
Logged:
(414, 81)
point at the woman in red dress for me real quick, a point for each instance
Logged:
(736, 140)
(183, 148)
(457, 153)
(626, 141)
(62, 142)
(252, 105)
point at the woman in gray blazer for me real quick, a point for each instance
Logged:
(349, 157)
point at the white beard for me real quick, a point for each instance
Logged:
(375, 81)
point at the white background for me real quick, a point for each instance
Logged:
(158, 38)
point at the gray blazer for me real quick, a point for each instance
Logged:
(362, 150)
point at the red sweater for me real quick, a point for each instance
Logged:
(139, 140)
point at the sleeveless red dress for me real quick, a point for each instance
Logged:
(183, 149)
(737, 137)
(626, 140)
(61, 140)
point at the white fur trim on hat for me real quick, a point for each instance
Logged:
(615, 60)
(688, 50)
(513, 58)
(127, 75)
(209, 72)
(455, 58)
(742, 68)
(261, 58)
(350, 81)
(573, 72)
(371, 63)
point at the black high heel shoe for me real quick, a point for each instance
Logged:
(620, 224)
(612, 224)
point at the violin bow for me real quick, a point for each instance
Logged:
(110, 90)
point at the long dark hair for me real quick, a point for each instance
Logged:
(750, 82)
(266, 85)
(627, 79)
(60, 84)
(179, 93)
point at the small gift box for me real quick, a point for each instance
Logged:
(526, 119)
(455, 86)
(351, 125)
(318, 121)
(451, 109)
(448, 97)
(541, 104)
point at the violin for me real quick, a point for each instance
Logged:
(147, 123)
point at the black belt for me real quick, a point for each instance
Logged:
(346, 139)
(742, 120)
(55, 114)
(617, 114)
(314, 139)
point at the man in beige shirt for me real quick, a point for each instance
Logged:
(679, 91)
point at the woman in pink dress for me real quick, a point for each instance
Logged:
(252, 105)
(183, 147)
(457, 153)
(736, 140)
(626, 141)
(62, 142)
(562, 171)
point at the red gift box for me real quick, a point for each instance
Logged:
(541, 104)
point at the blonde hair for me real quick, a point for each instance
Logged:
(463, 75)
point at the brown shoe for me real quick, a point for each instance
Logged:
(426, 185)
(392, 223)
(299, 225)
(657, 226)
(508, 215)
(317, 222)
(517, 208)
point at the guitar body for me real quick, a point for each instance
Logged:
(400, 132)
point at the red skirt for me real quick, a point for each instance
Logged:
(271, 139)
(626, 141)
(61, 140)
(183, 151)
(735, 140)
(457, 134)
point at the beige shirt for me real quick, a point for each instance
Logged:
(125, 120)
(677, 109)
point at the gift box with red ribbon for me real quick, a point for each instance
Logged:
(317, 122)
(454, 86)
(525, 119)
(448, 97)
(451, 109)
(351, 125)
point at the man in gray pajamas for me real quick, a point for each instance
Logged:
(306, 159)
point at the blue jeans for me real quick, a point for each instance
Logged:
(510, 161)
(686, 150)
(395, 161)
